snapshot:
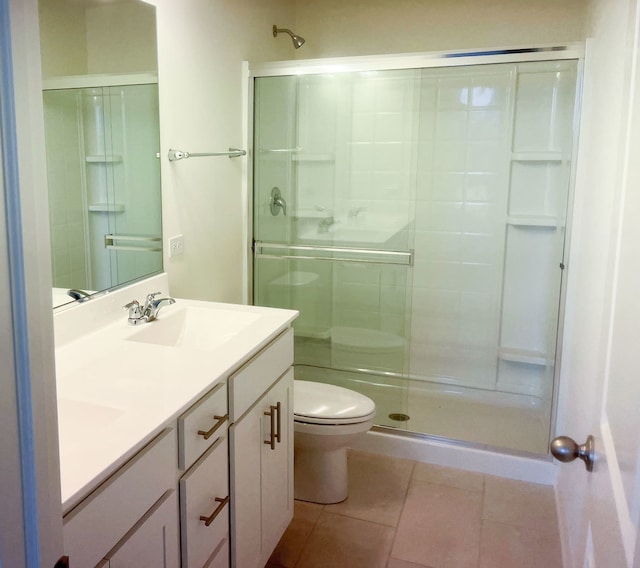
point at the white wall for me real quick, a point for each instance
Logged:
(63, 33)
(121, 37)
(334, 28)
(201, 46)
(78, 38)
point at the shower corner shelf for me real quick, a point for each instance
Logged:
(514, 355)
(538, 221)
(106, 207)
(103, 159)
(313, 157)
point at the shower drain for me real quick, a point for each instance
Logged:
(399, 416)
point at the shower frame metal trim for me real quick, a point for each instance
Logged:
(456, 58)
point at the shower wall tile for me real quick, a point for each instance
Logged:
(387, 156)
(389, 127)
(449, 156)
(453, 93)
(478, 278)
(459, 239)
(483, 186)
(447, 186)
(362, 127)
(444, 216)
(484, 156)
(481, 248)
(451, 125)
(486, 124)
(66, 204)
(431, 245)
(483, 218)
(436, 303)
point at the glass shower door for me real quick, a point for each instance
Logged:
(333, 209)
(416, 219)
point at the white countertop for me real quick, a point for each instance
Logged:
(114, 395)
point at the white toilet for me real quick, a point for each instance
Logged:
(326, 420)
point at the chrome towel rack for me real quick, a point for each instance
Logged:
(175, 155)
(146, 244)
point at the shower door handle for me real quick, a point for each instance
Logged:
(277, 202)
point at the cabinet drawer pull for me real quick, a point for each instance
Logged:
(220, 421)
(209, 520)
(279, 430)
(272, 435)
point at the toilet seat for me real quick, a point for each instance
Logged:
(330, 405)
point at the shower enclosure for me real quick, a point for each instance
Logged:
(416, 217)
(104, 182)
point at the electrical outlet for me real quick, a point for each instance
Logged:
(176, 245)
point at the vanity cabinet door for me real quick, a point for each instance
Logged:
(245, 446)
(153, 541)
(93, 527)
(277, 465)
(262, 475)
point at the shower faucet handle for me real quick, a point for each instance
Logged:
(277, 202)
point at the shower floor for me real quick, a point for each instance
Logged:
(500, 420)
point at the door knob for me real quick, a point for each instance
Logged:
(565, 449)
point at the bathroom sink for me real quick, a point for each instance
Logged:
(194, 328)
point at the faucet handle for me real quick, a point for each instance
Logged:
(135, 313)
(151, 296)
(147, 302)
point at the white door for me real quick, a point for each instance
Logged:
(31, 512)
(599, 511)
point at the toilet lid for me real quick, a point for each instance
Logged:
(320, 402)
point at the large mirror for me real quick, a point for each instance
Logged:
(100, 94)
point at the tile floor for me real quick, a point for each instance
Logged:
(406, 514)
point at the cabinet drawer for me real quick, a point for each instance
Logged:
(255, 377)
(204, 490)
(95, 525)
(202, 425)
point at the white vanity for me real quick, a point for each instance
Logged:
(176, 436)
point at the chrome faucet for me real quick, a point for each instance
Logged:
(152, 306)
(327, 219)
(78, 294)
(149, 312)
(355, 211)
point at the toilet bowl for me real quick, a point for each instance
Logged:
(327, 418)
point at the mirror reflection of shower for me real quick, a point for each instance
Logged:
(104, 184)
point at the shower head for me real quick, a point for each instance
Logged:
(297, 40)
